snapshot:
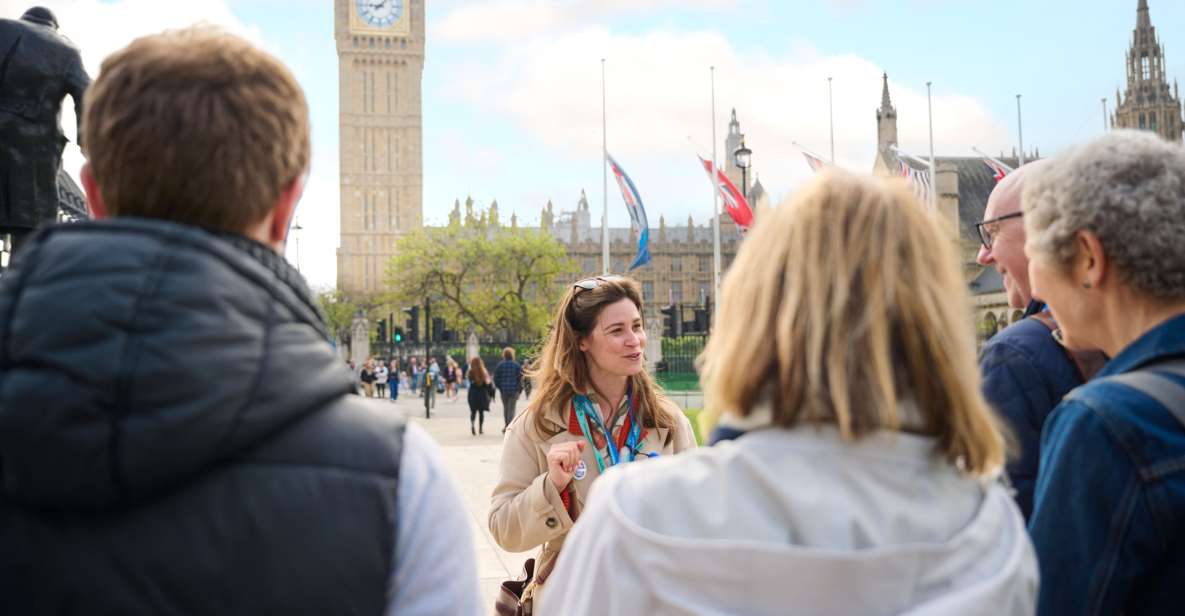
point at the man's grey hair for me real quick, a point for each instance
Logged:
(1128, 188)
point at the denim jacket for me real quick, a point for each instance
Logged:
(1109, 514)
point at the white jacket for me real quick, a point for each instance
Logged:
(796, 522)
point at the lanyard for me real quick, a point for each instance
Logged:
(585, 411)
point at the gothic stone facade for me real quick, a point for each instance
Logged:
(1147, 103)
(380, 48)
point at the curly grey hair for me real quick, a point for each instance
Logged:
(1128, 188)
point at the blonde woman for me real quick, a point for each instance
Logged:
(591, 375)
(865, 482)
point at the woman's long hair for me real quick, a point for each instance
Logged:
(477, 372)
(562, 369)
(844, 302)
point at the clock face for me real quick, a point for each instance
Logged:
(380, 13)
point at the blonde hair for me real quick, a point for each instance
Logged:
(562, 369)
(196, 126)
(844, 302)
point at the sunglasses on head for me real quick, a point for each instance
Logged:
(589, 284)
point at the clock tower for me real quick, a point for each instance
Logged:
(380, 48)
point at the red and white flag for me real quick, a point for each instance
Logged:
(998, 170)
(734, 202)
(815, 162)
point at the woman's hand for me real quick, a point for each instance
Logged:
(562, 459)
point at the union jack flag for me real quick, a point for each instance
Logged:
(633, 203)
(814, 162)
(998, 170)
(918, 179)
(734, 202)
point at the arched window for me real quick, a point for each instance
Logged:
(1142, 125)
(1145, 66)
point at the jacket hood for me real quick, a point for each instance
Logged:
(731, 530)
(134, 354)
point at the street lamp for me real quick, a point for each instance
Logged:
(742, 157)
(296, 228)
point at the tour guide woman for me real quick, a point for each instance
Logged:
(591, 375)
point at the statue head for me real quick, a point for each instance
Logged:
(41, 15)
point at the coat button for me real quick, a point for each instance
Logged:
(552, 522)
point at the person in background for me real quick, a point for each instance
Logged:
(367, 377)
(596, 408)
(527, 381)
(413, 372)
(508, 378)
(866, 483)
(1104, 230)
(208, 454)
(452, 375)
(393, 379)
(481, 391)
(380, 379)
(1025, 371)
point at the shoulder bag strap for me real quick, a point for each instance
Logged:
(1151, 381)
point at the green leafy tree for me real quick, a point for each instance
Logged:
(497, 281)
(339, 313)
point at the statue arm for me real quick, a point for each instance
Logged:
(77, 83)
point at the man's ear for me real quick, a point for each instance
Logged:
(94, 198)
(285, 208)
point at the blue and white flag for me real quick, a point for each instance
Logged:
(633, 203)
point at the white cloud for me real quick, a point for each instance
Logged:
(659, 102)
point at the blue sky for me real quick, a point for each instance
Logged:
(512, 87)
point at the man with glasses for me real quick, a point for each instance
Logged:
(1026, 372)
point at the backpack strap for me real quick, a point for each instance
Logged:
(1152, 381)
(1087, 363)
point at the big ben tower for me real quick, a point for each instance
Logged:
(380, 48)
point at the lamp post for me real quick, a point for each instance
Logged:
(296, 228)
(743, 158)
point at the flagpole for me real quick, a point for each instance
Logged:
(715, 203)
(805, 149)
(831, 118)
(933, 173)
(1020, 132)
(604, 180)
(981, 153)
(1105, 127)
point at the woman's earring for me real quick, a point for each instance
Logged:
(1086, 284)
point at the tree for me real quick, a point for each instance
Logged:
(498, 281)
(339, 313)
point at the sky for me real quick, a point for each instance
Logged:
(512, 88)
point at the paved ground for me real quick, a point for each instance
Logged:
(473, 461)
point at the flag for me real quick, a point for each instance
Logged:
(919, 180)
(734, 202)
(814, 162)
(998, 170)
(633, 203)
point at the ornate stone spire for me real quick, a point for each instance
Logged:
(1149, 103)
(886, 102)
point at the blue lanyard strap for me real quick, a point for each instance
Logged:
(585, 412)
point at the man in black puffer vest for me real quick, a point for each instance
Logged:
(177, 436)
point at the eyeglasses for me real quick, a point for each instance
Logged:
(987, 235)
(589, 284)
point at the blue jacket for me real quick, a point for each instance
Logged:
(508, 377)
(1025, 374)
(1109, 517)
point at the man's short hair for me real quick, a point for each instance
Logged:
(508, 353)
(196, 126)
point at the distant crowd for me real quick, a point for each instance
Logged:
(177, 435)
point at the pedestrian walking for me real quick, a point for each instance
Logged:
(393, 379)
(367, 377)
(207, 454)
(481, 391)
(380, 379)
(596, 407)
(413, 374)
(508, 378)
(1105, 225)
(527, 379)
(864, 484)
(452, 375)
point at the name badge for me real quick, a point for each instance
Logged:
(581, 471)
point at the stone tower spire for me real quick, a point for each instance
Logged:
(886, 132)
(1149, 103)
(732, 141)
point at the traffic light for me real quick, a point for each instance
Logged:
(412, 326)
(437, 329)
(398, 337)
(382, 330)
(672, 321)
(701, 320)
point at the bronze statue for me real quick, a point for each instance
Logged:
(38, 68)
